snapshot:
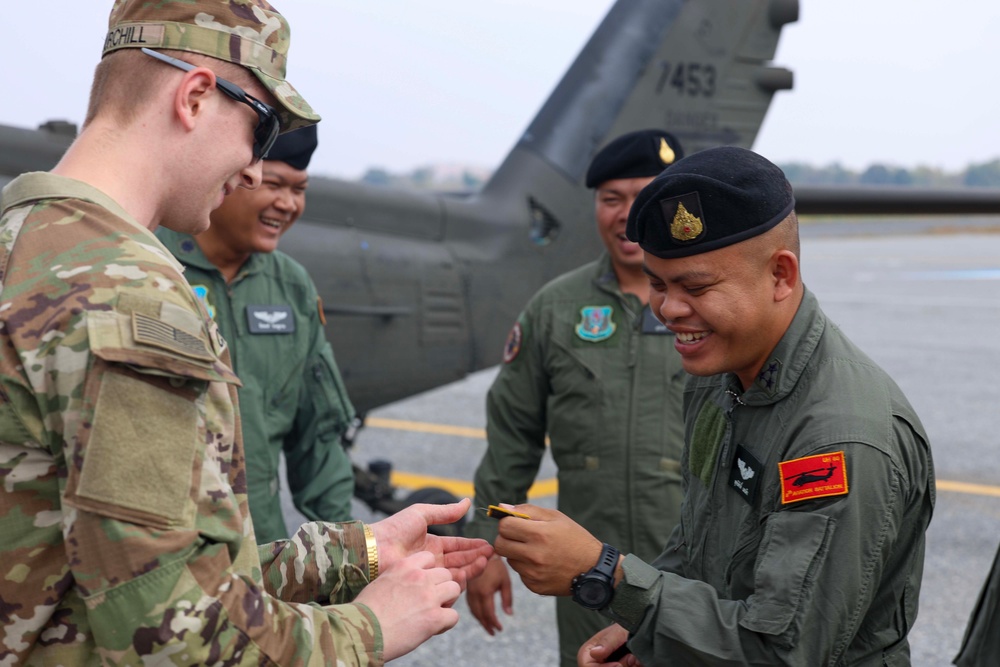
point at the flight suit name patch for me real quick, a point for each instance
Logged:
(812, 477)
(652, 326)
(596, 323)
(744, 475)
(277, 319)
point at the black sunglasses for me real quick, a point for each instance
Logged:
(268, 124)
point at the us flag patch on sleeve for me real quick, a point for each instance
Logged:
(813, 477)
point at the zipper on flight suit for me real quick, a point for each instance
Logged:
(723, 455)
(632, 351)
(633, 330)
(748, 541)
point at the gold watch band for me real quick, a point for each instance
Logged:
(372, 547)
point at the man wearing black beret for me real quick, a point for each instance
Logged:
(588, 365)
(292, 399)
(808, 477)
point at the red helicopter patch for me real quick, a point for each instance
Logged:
(812, 477)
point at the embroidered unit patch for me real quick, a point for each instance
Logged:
(513, 344)
(201, 291)
(596, 324)
(812, 477)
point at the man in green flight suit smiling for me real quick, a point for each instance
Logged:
(808, 478)
(589, 366)
(293, 399)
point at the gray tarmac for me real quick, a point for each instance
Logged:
(922, 300)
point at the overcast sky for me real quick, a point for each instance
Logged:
(405, 83)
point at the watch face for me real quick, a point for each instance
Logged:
(593, 593)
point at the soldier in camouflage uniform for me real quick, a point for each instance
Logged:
(123, 507)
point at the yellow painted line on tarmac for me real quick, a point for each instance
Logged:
(974, 489)
(424, 427)
(549, 487)
(462, 488)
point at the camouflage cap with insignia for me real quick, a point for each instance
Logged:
(709, 200)
(250, 33)
(634, 155)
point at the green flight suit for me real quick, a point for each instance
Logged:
(760, 572)
(292, 399)
(606, 386)
(981, 644)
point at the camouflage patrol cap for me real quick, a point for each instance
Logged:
(250, 33)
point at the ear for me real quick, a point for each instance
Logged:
(785, 274)
(192, 94)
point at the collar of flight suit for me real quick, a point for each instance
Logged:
(188, 252)
(786, 363)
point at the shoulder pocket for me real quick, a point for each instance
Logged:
(154, 345)
(151, 413)
(794, 547)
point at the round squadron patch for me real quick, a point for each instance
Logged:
(596, 323)
(513, 344)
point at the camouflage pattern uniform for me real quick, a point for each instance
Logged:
(123, 506)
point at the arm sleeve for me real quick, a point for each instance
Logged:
(158, 545)
(823, 570)
(153, 560)
(515, 428)
(320, 475)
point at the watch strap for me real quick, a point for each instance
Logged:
(607, 562)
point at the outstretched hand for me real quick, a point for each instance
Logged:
(548, 550)
(405, 533)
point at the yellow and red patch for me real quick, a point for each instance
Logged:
(813, 477)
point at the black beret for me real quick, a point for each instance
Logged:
(295, 147)
(640, 153)
(709, 200)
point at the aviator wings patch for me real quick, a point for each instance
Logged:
(272, 319)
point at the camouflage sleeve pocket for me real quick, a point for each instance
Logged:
(136, 462)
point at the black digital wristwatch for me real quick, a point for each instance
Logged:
(594, 588)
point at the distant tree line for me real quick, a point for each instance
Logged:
(986, 174)
(467, 179)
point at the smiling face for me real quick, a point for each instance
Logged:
(250, 221)
(728, 307)
(219, 159)
(612, 201)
